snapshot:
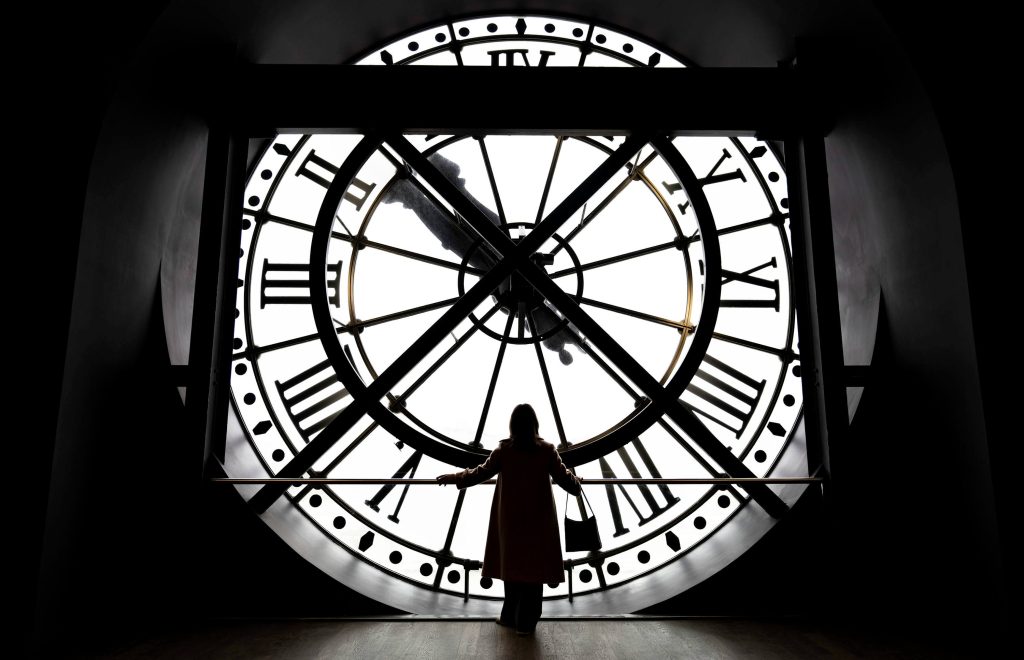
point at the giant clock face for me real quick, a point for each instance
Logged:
(384, 330)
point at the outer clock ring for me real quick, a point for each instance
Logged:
(630, 428)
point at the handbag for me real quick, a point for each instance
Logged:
(581, 535)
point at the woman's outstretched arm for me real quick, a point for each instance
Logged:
(473, 476)
(561, 474)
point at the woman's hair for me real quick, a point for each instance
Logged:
(523, 426)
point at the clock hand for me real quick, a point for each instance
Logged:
(461, 241)
(454, 237)
(544, 320)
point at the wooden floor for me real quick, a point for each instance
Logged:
(631, 639)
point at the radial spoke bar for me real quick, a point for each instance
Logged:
(635, 314)
(547, 385)
(625, 256)
(452, 524)
(550, 177)
(356, 326)
(776, 219)
(443, 263)
(494, 183)
(609, 198)
(450, 536)
(783, 353)
(260, 350)
(264, 215)
(494, 380)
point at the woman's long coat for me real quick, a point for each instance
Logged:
(523, 543)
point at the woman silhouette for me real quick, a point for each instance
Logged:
(523, 549)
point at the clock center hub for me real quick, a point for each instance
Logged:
(533, 318)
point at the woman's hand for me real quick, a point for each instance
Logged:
(443, 479)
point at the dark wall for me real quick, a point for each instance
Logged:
(125, 532)
(64, 69)
(964, 61)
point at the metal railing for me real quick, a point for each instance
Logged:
(323, 481)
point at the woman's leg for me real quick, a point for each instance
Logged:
(530, 602)
(510, 608)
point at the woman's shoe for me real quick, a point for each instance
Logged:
(524, 633)
(502, 623)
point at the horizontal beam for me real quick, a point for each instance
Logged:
(276, 98)
(586, 482)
